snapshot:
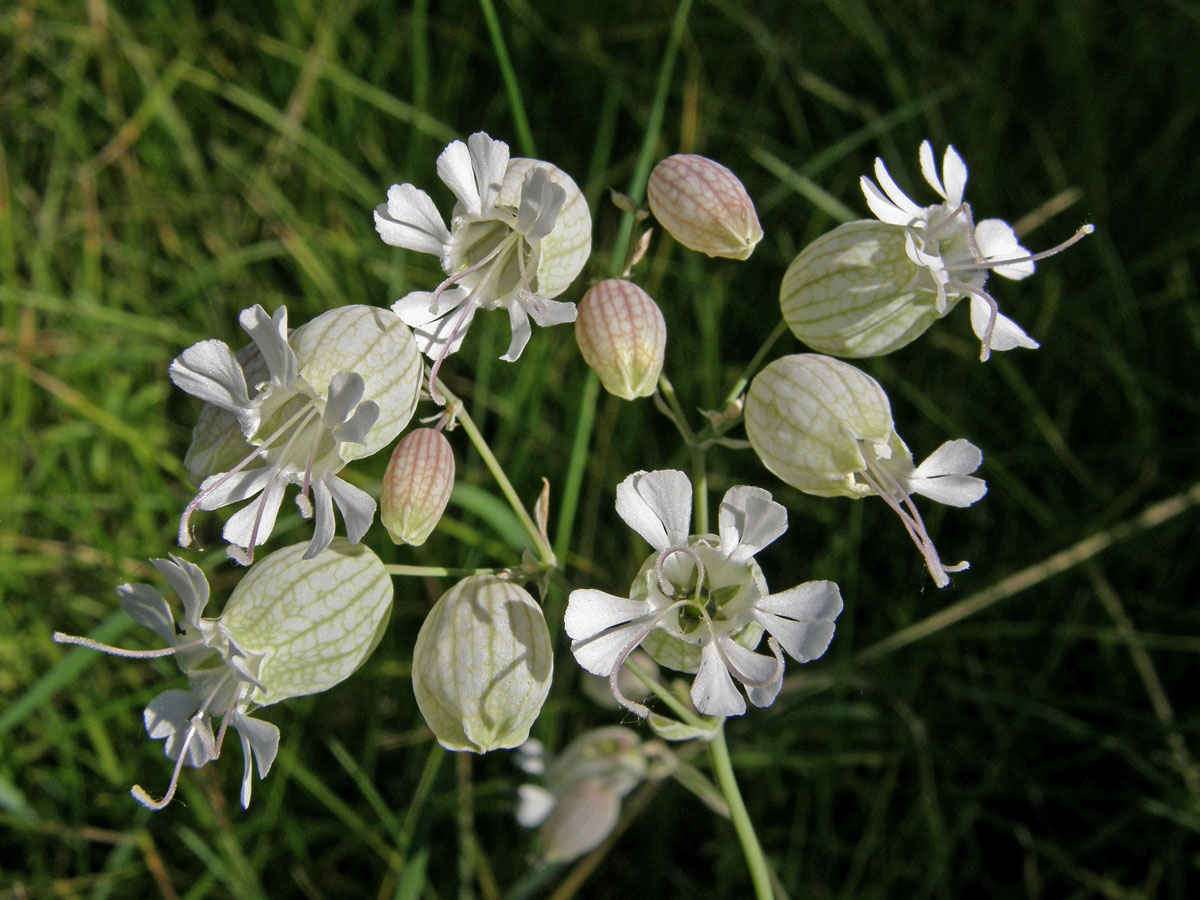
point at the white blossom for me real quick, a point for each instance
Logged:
(519, 234)
(700, 603)
(339, 388)
(292, 626)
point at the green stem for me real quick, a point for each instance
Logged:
(637, 185)
(545, 553)
(520, 120)
(641, 171)
(744, 379)
(699, 489)
(437, 571)
(755, 861)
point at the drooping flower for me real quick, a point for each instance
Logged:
(700, 603)
(825, 427)
(292, 626)
(579, 801)
(704, 206)
(339, 388)
(482, 665)
(870, 287)
(519, 235)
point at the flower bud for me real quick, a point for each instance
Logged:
(416, 486)
(482, 665)
(855, 292)
(704, 206)
(622, 336)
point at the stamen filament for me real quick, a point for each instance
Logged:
(140, 794)
(60, 638)
(877, 477)
(185, 536)
(983, 265)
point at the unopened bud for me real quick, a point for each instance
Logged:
(622, 336)
(482, 665)
(416, 486)
(704, 206)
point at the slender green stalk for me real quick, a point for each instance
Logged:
(760, 876)
(744, 378)
(511, 87)
(436, 571)
(637, 185)
(573, 483)
(544, 551)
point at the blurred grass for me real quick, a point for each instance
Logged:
(163, 166)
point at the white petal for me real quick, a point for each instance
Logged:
(600, 654)
(233, 488)
(749, 520)
(762, 675)
(897, 196)
(189, 583)
(541, 201)
(954, 170)
(355, 430)
(533, 805)
(410, 220)
(345, 392)
(169, 716)
(997, 241)
(883, 208)
(323, 522)
(804, 641)
(590, 612)
(1006, 334)
(439, 333)
(713, 691)
(270, 335)
(551, 312)
(260, 741)
(241, 524)
(959, 457)
(356, 506)
(455, 168)
(806, 602)
(518, 319)
(952, 490)
(657, 505)
(147, 607)
(929, 169)
(210, 371)
(489, 161)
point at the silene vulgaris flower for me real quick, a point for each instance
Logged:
(869, 287)
(825, 427)
(957, 253)
(292, 626)
(294, 410)
(519, 234)
(700, 603)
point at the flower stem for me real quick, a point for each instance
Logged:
(755, 861)
(511, 87)
(545, 553)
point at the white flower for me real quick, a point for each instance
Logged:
(292, 626)
(825, 427)
(957, 253)
(338, 388)
(581, 801)
(700, 603)
(519, 235)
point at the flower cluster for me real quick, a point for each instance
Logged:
(295, 407)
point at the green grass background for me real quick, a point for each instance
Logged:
(1027, 732)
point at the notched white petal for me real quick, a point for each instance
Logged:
(657, 505)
